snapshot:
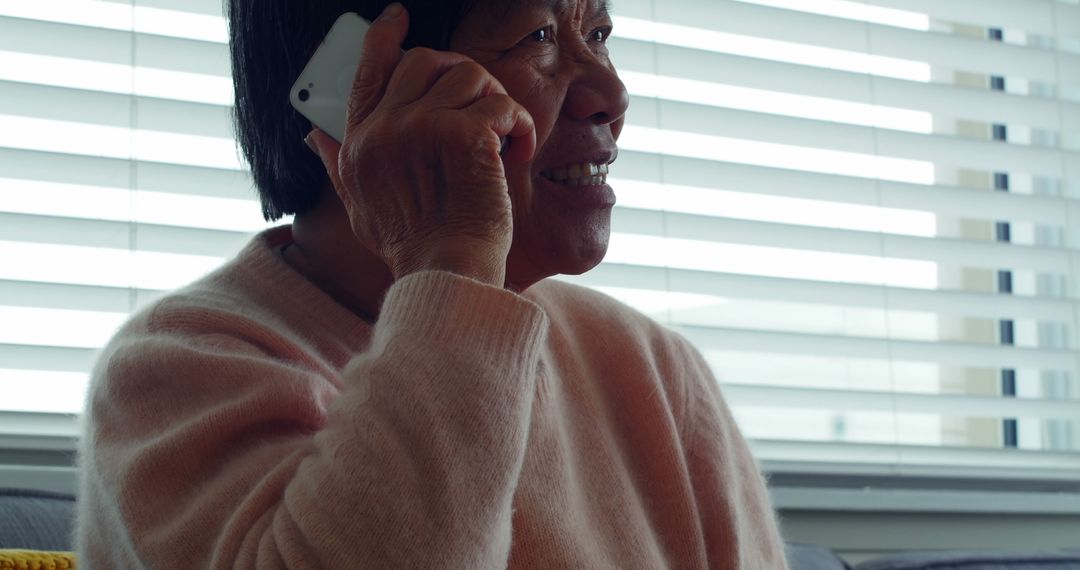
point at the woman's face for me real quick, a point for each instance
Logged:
(551, 57)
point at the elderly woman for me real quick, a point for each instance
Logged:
(391, 381)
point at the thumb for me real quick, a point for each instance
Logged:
(380, 57)
(329, 151)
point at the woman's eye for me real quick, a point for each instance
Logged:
(541, 35)
(600, 35)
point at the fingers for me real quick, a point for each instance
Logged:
(507, 118)
(387, 76)
(456, 82)
(464, 83)
(381, 55)
(329, 150)
(419, 71)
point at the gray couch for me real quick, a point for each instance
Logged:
(40, 520)
(35, 520)
(814, 557)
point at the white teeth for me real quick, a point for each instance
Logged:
(585, 174)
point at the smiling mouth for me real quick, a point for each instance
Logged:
(584, 174)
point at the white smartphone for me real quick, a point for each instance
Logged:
(321, 93)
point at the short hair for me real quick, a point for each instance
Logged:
(270, 42)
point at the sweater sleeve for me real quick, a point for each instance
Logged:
(733, 502)
(203, 452)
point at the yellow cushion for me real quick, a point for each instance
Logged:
(36, 560)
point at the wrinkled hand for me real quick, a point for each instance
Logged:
(419, 170)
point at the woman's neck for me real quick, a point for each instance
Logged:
(325, 251)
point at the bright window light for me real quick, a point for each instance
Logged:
(66, 200)
(78, 265)
(198, 211)
(853, 11)
(760, 422)
(826, 372)
(110, 15)
(181, 24)
(115, 78)
(779, 209)
(126, 17)
(776, 50)
(58, 327)
(65, 72)
(122, 205)
(194, 150)
(43, 391)
(777, 103)
(706, 147)
(770, 261)
(65, 137)
(657, 303)
(183, 86)
(117, 142)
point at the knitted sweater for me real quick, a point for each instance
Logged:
(249, 421)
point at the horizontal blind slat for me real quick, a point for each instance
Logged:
(83, 170)
(1028, 15)
(943, 100)
(951, 51)
(65, 40)
(940, 302)
(33, 424)
(119, 235)
(44, 135)
(86, 43)
(808, 133)
(158, 18)
(968, 202)
(965, 253)
(63, 359)
(117, 110)
(204, 7)
(972, 355)
(782, 456)
(73, 297)
(747, 394)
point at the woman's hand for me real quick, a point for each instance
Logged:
(419, 170)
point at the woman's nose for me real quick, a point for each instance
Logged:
(596, 94)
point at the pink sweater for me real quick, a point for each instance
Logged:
(249, 421)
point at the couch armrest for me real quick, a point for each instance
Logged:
(1059, 560)
(802, 556)
(36, 520)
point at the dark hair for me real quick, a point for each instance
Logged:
(270, 42)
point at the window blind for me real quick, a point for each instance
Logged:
(864, 214)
